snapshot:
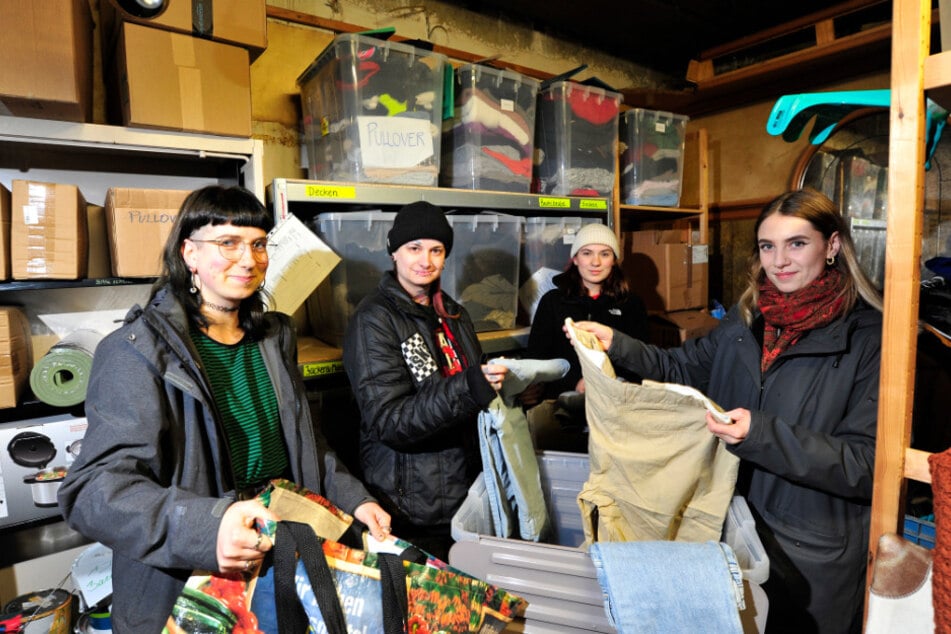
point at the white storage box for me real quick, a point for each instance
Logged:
(482, 271)
(652, 164)
(372, 112)
(576, 138)
(489, 141)
(359, 238)
(546, 252)
(559, 580)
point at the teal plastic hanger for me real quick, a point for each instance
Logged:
(791, 114)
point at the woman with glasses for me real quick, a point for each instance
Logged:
(193, 405)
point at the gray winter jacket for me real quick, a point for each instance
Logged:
(808, 461)
(418, 443)
(153, 478)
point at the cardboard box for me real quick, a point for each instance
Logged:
(171, 81)
(16, 359)
(97, 256)
(666, 270)
(239, 22)
(48, 232)
(138, 222)
(669, 330)
(4, 233)
(47, 53)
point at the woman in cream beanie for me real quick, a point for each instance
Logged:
(592, 287)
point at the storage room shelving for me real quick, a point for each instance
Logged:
(913, 71)
(306, 198)
(96, 157)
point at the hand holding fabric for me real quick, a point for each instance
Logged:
(731, 433)
(604, 334)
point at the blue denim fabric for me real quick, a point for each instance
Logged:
(662, 587)
(262, 601)
(509, 464)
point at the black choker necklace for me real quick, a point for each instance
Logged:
(220, 308)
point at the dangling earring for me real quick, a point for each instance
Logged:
(830, 261)
(196, 284)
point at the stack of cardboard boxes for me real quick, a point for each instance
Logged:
(669, 270)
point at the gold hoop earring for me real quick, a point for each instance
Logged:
(830, 261)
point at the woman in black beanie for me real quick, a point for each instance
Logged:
(413, 360)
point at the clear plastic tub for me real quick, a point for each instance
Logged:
(372, 112)
(652, 164)
(488, 143)
(576, 138)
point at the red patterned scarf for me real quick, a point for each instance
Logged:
(789, 317)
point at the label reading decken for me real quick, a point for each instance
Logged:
(324, 368)
(338, 192)
(554, 203)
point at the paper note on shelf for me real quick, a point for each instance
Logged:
(298, 262)
(686, 390)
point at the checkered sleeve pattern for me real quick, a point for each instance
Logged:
(418, 358)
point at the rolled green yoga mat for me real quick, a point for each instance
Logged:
(60, 378)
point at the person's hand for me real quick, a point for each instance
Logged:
(605, 334)
(532, 395)
(240, 546)
(580, 386)
(731, 433)
(494, 374)
(376, 519)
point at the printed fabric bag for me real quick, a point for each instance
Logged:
(392, 588)
(317, 581)
(219, 602)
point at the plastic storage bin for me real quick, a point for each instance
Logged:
(919, 530)
(372, 112)
(559, 580)
(576, 136)
(482, 271)
(359, 238)
(489, 141)
(652, 164)
(546, 251)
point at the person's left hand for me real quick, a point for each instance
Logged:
(731, 433)
(494, 374)
(376, 519)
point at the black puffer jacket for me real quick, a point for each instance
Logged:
(418, 444)
(808, 461)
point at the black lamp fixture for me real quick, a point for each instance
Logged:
(142, 8)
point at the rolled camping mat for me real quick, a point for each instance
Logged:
(61, 377)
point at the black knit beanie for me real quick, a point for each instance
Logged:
(416, 221)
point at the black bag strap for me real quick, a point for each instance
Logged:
(393, 585)
(295, 539)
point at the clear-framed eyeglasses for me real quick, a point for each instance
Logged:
(233, 248)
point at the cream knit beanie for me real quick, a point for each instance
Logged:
(596, 233)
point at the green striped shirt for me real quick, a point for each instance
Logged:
(248, 407)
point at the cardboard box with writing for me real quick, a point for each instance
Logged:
(171, 81)
(238, 22)
(669, 330)
(16, 357)
(4, 233)
(138, 222)
(666, 270)
(48, 231)
(47, 59)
